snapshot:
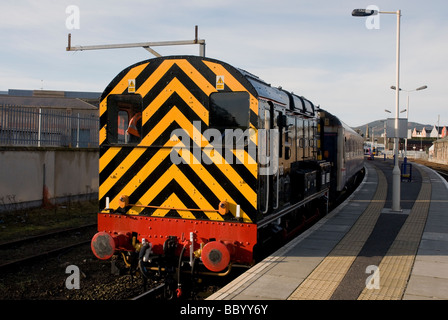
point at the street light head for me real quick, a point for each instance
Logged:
(421, 88)
(363, 12)
(387, 111)
(394, 88)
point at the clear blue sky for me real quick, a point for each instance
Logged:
(314, 48)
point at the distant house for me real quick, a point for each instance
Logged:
(438, 132)
(424, 133)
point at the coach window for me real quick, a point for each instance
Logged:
(306, 137)
(300, 140)
(124, 121)
(229, 110)
(290, 129)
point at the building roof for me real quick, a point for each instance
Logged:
(439, 128)
(46, 102)
(54, 93)
(443, 140)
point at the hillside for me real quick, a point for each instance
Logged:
(378, 127)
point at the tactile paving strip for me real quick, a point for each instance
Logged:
(396, 266)
(324, 280)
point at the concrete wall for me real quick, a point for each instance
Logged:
(65, 172)
(440, 154)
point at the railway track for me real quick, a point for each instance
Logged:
(26, 250)
(441, 169)
(151, 293)
(443, 174)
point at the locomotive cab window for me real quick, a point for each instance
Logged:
(124, 119)
(229, 110)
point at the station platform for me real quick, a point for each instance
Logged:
(362, 250)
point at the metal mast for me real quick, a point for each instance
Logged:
(145, 45)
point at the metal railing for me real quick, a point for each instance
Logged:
(32, 126)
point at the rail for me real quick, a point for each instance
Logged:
(12, 260)
(153, 291)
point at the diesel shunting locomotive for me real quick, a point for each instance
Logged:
(201, 163)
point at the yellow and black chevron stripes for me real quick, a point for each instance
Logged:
(175, 94)
(233, 84)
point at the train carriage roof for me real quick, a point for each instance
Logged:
(292, 101)
(335, 121)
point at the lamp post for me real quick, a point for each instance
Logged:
(407, 113)
(396, 171)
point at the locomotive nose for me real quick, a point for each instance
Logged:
(103, 245)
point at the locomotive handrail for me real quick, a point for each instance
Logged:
(169, 208)
(280, 213)
(223, 206)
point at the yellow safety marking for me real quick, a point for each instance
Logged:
(220, 83)
(194, 194)
(254, 137)
(122, 85)
(199, 169)
(245, 158)
(155, 77)
(196, 76)
(175, 86)
(396, 266)
(103, 106)
(107, 157)
(174, 115)
(183, 64)
(235, 178)
(232, 83)
(152, 164)
(326, 277)
(143, 173)
(174, 173)
(173, 201)
(103, 134)
(120, 170)
(213, 185)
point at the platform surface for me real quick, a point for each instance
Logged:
(362, 250)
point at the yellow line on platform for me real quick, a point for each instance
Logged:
(323, 281)
(396, 266)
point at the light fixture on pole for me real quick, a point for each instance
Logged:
(407, 113)
(396, 181)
